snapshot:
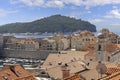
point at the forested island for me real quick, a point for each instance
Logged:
(55, 23)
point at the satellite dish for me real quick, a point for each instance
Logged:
(101, 68)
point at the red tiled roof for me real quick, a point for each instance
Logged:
(73, 77)
(15, 72)
(112, 70)
(115, 76)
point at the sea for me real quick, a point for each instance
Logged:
(32, 35)
(47, 35)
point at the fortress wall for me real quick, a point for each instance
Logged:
(42, 54)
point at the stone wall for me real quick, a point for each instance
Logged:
(42, 54)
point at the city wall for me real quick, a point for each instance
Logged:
(42, 54)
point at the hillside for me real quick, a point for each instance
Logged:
(55, 23)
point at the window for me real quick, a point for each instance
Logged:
(108, 58)
(88, 39)
(99, 48)
(31, 42)
(28, 43)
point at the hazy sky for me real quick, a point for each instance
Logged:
(102, 13)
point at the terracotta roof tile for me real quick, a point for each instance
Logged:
(115, 76)
(15, 72)
(73, 77)
(112, 70)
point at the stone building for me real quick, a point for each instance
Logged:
(6, 39)
(113, 38)
(118, 40)
(105, 32)
(82, 40)
(106, 44)
(115, 56)
(58, 42)
(63, 44)
(48, 44)
(87, 36)
(1, 42)
(58, 37)
(27, 44)
(74, 39)
(100, 48)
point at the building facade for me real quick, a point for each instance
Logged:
(27, 44)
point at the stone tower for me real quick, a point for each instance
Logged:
(102, 40)
(100, 50)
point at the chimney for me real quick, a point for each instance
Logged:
(65, 71)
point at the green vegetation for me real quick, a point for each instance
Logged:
(55, 23)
